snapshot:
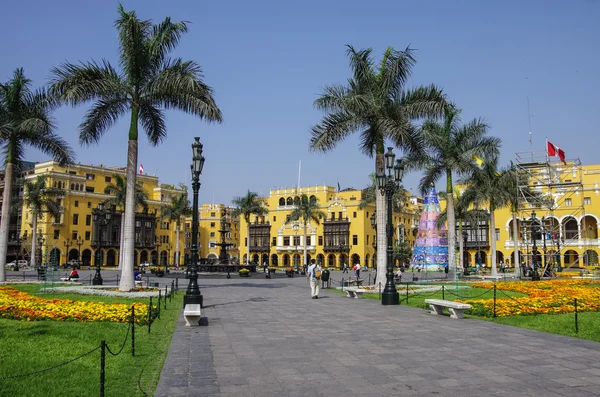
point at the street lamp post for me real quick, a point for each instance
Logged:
(41, 241)
(79, 243)
(193, 295)
(168, 247)
(296, 227)
(465, 236)
(388, 184)
(101, 218)
(19, 240)
(68, 243)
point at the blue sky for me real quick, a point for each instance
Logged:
(267, 61)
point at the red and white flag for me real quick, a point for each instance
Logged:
(141, 168)
(554, 151)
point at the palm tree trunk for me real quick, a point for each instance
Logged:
(516, 263)
(32, 257)
(493, 241)
(127, 281)
(6, 199)
(451, 227)
(248, 241)
(120, 242)
(177, 244)
(304, 264)
(461, 247)
(380, 207)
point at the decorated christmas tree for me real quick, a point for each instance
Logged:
(431, 247)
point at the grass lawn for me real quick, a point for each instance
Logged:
(33, 346)
(562, 324)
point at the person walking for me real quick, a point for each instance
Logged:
(345, 268)
(312, 275)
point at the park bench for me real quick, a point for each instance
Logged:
(76, 280)
(355, 293)
(456, 309)
(358, 282)
(191, 313)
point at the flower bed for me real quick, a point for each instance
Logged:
(15, 304)
(544, 297)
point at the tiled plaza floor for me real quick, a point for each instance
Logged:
(268, 338)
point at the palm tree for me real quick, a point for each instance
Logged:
(450, 148)
(40, 199)
(307, 210)
(118, 191)
(376, 104)
(148, 81)
(24, 121)
(487, 186)
(246, 206)
(178, 208)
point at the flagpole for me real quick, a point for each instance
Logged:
(547, 158)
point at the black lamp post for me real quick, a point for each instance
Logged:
(465, 236)
(168, 248)
(192, 294)
(388, 184)
(18, 241)
(534, 236)
(79, 243)
(68, 243)
(374, 243)
(41, 241)
(101, 218)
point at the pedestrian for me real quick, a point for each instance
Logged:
(312, 275)
(265, 267)
(356, 270)
(345, 268)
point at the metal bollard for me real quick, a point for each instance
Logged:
(494, 300)
(132, 330)
(102, 364)
(443, 295)
(150, 315)
(166, 291)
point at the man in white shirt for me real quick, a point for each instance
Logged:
(312, 280)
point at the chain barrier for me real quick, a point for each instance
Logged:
(468, 297)
(123, 345)
(51, 368)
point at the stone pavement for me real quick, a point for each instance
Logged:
(268, 338)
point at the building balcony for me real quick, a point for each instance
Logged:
(264, 248)
(337, 248)
(295, 248)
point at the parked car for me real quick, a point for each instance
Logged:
(13, 265)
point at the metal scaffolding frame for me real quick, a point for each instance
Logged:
(546, 187)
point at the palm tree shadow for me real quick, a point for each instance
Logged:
(234, 302)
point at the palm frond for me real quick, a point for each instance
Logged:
(134, 35)
(395, 70)
(153, 122)
(100, 117)
(165, 37)
(333, 129)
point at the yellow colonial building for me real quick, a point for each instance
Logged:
(76, 235)
(559, 227)
(212, 220)
(344, 235)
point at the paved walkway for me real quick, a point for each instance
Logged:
(268, 338)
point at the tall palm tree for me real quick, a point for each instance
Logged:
(24, 121)
(148, 81)
(307, 210)
(178, 208)
(487, 186)
(246, 206)
(118, 192)
(40, 199)
(450, 148)
(376, 103)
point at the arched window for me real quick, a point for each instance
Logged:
(290, 201)
(281, 202)
(296, 200)
(313, 198)
(72, 186)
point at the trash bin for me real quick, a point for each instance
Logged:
(325, 278)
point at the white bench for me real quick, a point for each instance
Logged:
(75, 280)
(456, 309)
(191, 313)
(355, 293)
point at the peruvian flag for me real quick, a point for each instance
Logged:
(554, 151)
(141, 169)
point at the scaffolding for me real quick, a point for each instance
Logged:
(551, 201)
